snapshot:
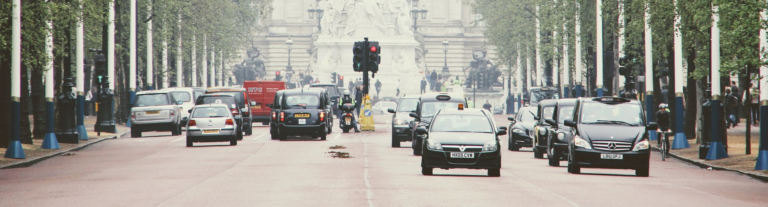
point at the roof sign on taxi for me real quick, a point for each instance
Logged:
(443, 97)
(461, 106)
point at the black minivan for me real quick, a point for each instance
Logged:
(304, 112)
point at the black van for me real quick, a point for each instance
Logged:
(304, 112)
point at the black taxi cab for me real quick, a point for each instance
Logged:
(274, 113)
(429, 104)
(609, 132)
(304, 112)
(401, 132)
(462, 138)
(521, 129)
(542, 129)
(560, 135)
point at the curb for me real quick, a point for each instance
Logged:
(763, 178)
(78, 148)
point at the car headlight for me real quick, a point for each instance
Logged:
(434, 145)
(561, 136)
(518, 131)
(542, 131)
(400, 122)
(642, 145)
(579, 142)
(490, 146)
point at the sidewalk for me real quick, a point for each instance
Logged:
(35, 154)
(737, 160)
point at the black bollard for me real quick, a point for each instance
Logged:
(67, 131)
(706, 137)
(105, 121)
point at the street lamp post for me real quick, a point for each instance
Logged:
(289, 42)
(319, 12)
(445, 71)
(415, 13)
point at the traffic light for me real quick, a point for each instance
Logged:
(333, 77)
(359, 52)
(278, 77)
(373, 57)
(341, 81)
(623, 61)
(101, 67)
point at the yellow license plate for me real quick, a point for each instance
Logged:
(301, 115)
(257, 107)
(210, 131)
(152, 112)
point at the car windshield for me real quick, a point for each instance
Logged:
(301, 101)
(538, 96)
(238, 97)
(181, 96)
(429, 109)
(407, 105)
(565, 113)
(210, 112)
(526, 116)
(548, 112)
(159, 99)
(331, 89)
(387, 105)
(599, 113)
(226, 100)
(461, 123)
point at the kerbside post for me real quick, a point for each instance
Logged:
(649, 72)
(132, 59)
(50, 141)
(680, 142)
(150, 53)
(762, 154)
(578, 64)
(14, 147)
(79, 58)
(716, 148)
(599, 48)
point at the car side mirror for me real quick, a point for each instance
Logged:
(652, 126)
(503, 128)
(569, 123)
(184, 118)
(190, 111)
(390, 110)
(501, 132)
(421, 130)
(252, 103)
(414, 115)
(238, 117)
(550, 122)
(511, 118)
(179, 102)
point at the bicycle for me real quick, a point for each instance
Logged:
(664, 145)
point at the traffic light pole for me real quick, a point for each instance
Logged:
(80, 57)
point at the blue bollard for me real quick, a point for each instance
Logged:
(132, 96)
(50, 141)
(599, 92)
(716, 148)
(566, 92)
(15, 150)
(81, 132)
(680, 142)
(649, 114)
(579, 89)
(762, 154)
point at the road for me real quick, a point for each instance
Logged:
(158, 170)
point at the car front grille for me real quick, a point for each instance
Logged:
(468, 148)
(612, 146)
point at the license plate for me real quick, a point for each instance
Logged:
(462, 155)
(152, 112)
(612, 156)
(210, 131)
(302, 121)
(257, 107)
(301, 115)
(348, 119)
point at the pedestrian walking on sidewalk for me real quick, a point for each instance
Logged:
(730, 104)
(754, 103)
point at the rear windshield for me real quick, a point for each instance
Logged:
(227, 100)
(210, 112)
(429, 109)
(331, 90)
(181, 96)
(238, 97)
(159, 99)
(302, 101)
(407, 105)
(461, 123)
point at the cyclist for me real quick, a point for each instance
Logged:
(664, 121)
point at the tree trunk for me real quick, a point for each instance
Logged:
(5, 82)
(702, 96)
(26, 134)
(38, 102)
(691, 99)
(671, 87)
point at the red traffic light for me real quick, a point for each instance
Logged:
(341, 77)
(374, 48)
(277, 72)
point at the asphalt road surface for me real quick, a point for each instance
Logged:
(159, 170)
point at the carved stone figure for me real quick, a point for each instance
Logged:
(402, 13)
(365, 12)
(251, 68)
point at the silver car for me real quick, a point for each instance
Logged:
(155, 111)
(211, 123)
(186, 96)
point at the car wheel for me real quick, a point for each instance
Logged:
(395, 142)
(330, 129)
(494, 172)
(512, 147)
(416, 147)
(536, 152)
(135, 132)
(345, 130)
(273, 133)
(233, 141)
(264, 123)
(554, 159)
(248, 131)
(239, 135)
(572, 167)
(324, 134)
(426, 170)
(642, 172)
(189, 142)
(282, 136)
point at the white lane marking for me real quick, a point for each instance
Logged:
(179, 139)
(365, 174)
(259, 136)
(337, 136)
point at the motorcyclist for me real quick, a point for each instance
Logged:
(347, 99)
(664, 121)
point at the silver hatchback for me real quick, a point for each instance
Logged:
(211, 123)
(155, 111)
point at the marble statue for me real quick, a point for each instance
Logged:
(402, 13)
(364, 12)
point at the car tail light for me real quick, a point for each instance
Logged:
(282, 116)
(274, 116)
(192, 123)
(234, 111)
(230, 122)
(133, 115)
(349, 114)
(322, 116)
(171, 114)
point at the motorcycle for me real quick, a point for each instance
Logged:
(346, 114)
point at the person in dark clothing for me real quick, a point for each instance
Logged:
(423, 85)
(378, 87)
(433, 80)
(664, 94)
(663, 121)
(730, 102)
(358, 98)
(736, 92)
(487, 106)
(347, 99)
